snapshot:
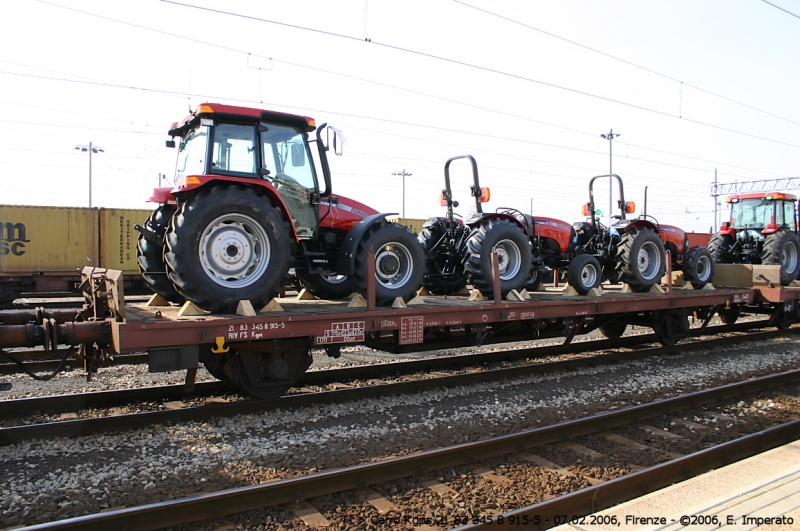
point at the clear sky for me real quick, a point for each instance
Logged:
(525, 86)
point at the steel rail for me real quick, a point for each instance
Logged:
(590, 500)
(213, 505)
(124, 422)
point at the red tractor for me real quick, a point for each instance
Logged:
(762, 230)
(632, 251)
(247, 207)
(457, 252)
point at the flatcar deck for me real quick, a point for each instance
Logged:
(332, 322)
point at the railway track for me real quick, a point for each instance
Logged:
(389, 489)
(364, 383)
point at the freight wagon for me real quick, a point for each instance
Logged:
(43, 249)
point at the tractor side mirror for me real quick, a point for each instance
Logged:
(630, 207)
(485, 195)
(298, 155)
(338, 140)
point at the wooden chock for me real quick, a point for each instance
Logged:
(687, 287)
(463, 291)
(157, 300)
(189, 309)
(476, 295)
(596, 292)
(416, 301)
(525, 295)
(245, 308)
(272, 306)
(570, 291)
(514, 295)
(710, 286)
(655, 288)
(357, 301)
(399, 303)
(423, 291)
(626, 288)
(305, 295)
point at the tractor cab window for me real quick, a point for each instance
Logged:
(789, 217)
(752, 213)
(287, 164)
(192, 154)
(234, 149)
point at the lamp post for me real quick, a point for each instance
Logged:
(91, 149)
(403, 174)
(610, 137)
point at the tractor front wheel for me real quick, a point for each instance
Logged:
(641, 259)
(326, 286)
(228, 244)
(783, 248)
(698, 266)
(584, 273)
(399, 263)
(150, 255)
(514, 256)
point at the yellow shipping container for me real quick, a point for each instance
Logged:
(36, 240)
(118, 238)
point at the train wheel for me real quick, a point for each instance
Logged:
(267, 376)
(784, 316)
(698, 266)
(215, 363)
(228, 244)
(514, 252)
(326, 286)
(730, 315)
(584, 273)
(670, 328)
(614, 329)
(399, 263)
(150, 256)
(641, 259)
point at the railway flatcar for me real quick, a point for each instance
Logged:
(44, 248)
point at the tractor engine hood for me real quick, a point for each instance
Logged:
(342, 213)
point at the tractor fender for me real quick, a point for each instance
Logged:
(263, 187)
(643, 224)
(474, 221)
(347, 252)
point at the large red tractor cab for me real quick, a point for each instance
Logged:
(631, 250)
(762, 230)
(458, 251)
(247, 206)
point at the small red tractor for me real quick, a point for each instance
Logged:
(460, 251)
(247, 206)
(632, 251)
(762, 230)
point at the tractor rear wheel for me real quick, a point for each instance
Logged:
(698, 266)
(514, 253)
(150, 256)
(326, 286)
(399, 263)
(444, 274)
(228, 244)
(720, 248)
(783, 248)
(584, 273)
(641, 259)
